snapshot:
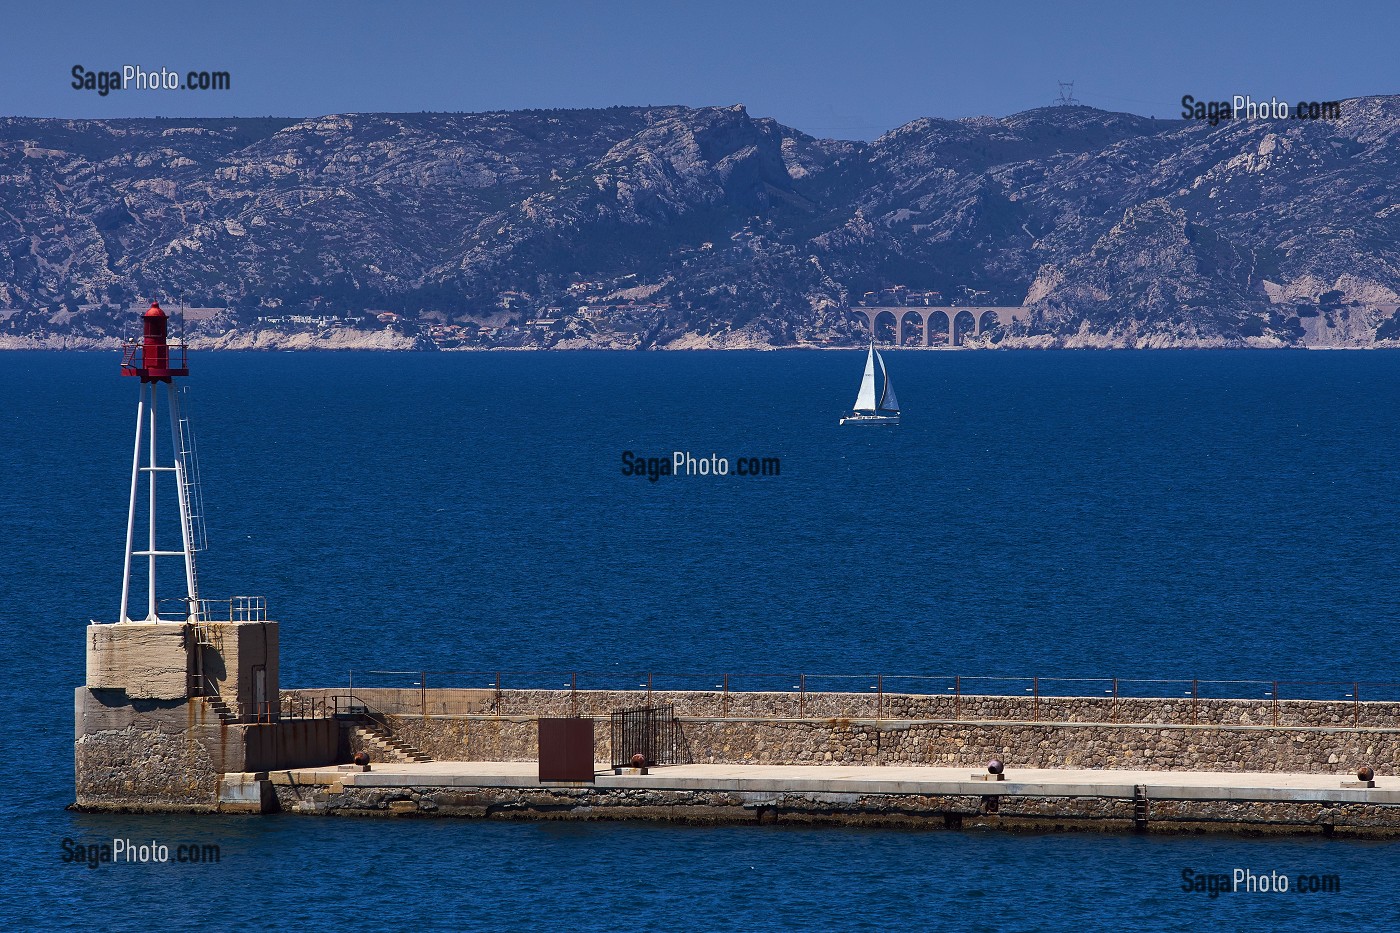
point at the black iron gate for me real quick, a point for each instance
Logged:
(649, 731)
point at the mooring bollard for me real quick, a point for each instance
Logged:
(1365, 777)
(994, 772)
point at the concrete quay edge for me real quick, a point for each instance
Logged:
(771, 779)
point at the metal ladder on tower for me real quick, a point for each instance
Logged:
(194, 506)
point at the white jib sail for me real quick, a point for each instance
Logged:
(888, 402)
(865, 401)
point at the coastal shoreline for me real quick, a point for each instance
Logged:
(399, 343)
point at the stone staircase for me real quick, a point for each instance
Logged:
(386, 747)
(220, 708)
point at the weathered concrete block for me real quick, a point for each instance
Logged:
(246, 792)
(241, 666)
(147, 660)
(112, 711)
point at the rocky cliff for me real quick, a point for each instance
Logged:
(680, 227)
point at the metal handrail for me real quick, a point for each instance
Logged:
(289, 706)
(1114, 692)
(803, 682)
(234, 609)
(1193, 705)
(134, 353)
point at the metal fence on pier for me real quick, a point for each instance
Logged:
(965, 693)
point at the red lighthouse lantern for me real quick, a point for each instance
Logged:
(151, 357)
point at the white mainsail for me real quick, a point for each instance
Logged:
(865, 401)
(888, 402)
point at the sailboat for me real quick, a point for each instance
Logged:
(867, 409)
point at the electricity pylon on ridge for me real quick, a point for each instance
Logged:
(1066, 98)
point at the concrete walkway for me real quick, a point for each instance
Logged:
(840, 779)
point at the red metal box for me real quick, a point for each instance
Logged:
(566, 750)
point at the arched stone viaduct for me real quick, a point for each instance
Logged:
(978, 314)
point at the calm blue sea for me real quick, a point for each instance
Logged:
(1214, 515)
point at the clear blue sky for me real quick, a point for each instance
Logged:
(850, 69)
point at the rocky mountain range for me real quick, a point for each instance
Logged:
(659, 227)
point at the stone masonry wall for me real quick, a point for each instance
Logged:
(149, 769)
(172, 754)
(148, 754)
(794, 705)
(775, 728)
(1019, 745)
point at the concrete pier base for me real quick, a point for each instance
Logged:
(180, 755)
(1039, 799)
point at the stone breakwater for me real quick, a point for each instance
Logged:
(1174, 765)
(1295, 736)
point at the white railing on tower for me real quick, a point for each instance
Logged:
(233, 609)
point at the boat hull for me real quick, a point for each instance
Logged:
(870, 419)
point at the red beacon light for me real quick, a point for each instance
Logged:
(152, 357)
